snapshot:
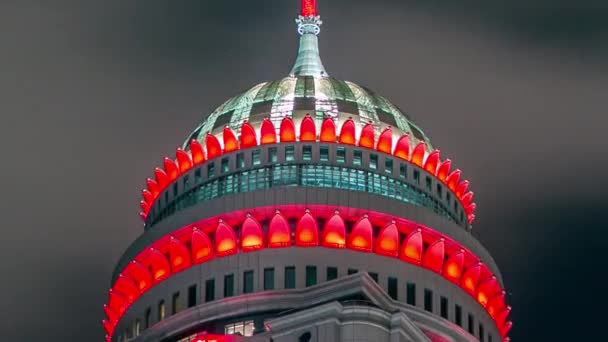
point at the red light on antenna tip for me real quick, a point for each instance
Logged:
(309, 8)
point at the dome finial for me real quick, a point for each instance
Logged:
(308, 61)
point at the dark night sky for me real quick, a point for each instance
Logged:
(94, 93)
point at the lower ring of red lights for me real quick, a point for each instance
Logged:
(315, 226)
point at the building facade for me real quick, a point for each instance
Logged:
(307, 209)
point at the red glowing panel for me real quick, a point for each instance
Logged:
(307, 231)
(202, 249)
(434, 255)
(418, 154)
(308, 130)
(143, 216)
(328, 131)
(334, 232)
(501, 317)
(470, 208)
(443, 170)
(225, 240)
(366, 139)
(139, 274)
(385, 141)
(248, 136)
(387, 242)
(506, 328)
(287, 132)
(196, 149)
(347, 132)
(432, 162)
(486, 290)
(452, 269)
(110, 314)
(411, 249)
(252, 237)
(452, 180)
(183, 160)
(269, 135)
(158, 264)
(152, 187)
(127, 288)
(214, 149)
(467, 198)
(279, 234)
(171, 169)
(470, 278)
(145, 207)
(161, 178)
(309, 8)
(147, 195)
(230, 142)
(109, 327)
(361, 236)
(471, 218)
(117, 302)
(496, 304)
(402, 149)
(179, 255)
(461, 189)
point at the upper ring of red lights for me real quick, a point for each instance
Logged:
(216, 237)
(400, 148)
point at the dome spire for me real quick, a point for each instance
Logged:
(308, 62)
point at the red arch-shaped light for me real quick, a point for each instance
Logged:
(452, 180)
(179, 255)
(171, 169)
(470, 278)
(117, 302)
(347, 132)
(334, 232)
(486, 290)
(214, 149)
(385, 141)
(361, 236)
(287, 132)
(328, 131)
(152, 187)
(402, 149)
(183, 160)
(158, 264)
(147, 195)
(225, 240)
(127, 288)
(196, 149)
(231, 144)
(461, 189)
(366, 139)
(279, 234)
(387, 242)
(248, 136)
(443, 170)
(452, 269)
(418, 154)
(411, 249)
(109, 327)
(501, 317)
(267, 132)
(506, 328)
(202, 249)
(434, 255)
(432, 162)
(140, 275)
(162, 179)
(145, 207)
(308, 129)
(307, 231)
(252, 238)
(467, 198)
(496, 304)
(110, 314)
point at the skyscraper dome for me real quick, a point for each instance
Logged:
(307, 209)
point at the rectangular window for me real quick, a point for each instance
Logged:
(161, 310)
(240, 160)
(311, 276)
(147, 318)
(417, 177)
(332, 273)
(428, 184)
(448, 198)
(245, 328)
(392, 287)
(458, 315)
(373, 161)
(225, 165)
(289, 154)
(255, 157)
(272, 155)
(175, 189)
(443, 307)
(307, 153)
(269, 279)
(489, 337)
(136, 328)
(357, 157)
(482, 333)
(210, 170)
(175, 303)
(410, 296)
(428, 300)
(388, 166)
(290, 277)
(186, 182)
(197, 176)
(192, 296)
(248, 282)
(324, 153)
(229, 285)
(471, 324)
(209, 290)
(403, 170)
(439, 191)
(374, 276)
(352, 271)
(340, 155)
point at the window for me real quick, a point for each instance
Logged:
(210, 170)
(324, 153)
(403, 170)
(458, 315)
(332, 273)
(229, 285)
(147, 318)
(289, 153)
(255, 157)
(136, 328)
(448, 198)
(240, 160)
(175, 303)
(388, 166)
(311, 276)
(272, 155)
(417, 177)
(428, 183)
(197, 176)
(352, 271)
(489, 337)
(225, 165)
(373, 161)
(357, 157)
(471, 324)
(307, 153)
(443, 307)
(161, 310)
(248, 282)
(392, 287)
(269, 279)
(192, 296)
(244, 328)
(305, 337)
(174, 189)
(411, 294)
(428, 300)
(374, 276)
(340, 155)
(186, 182)
(209, 290)
(290, 277)
(482, 334)
(439, 191)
